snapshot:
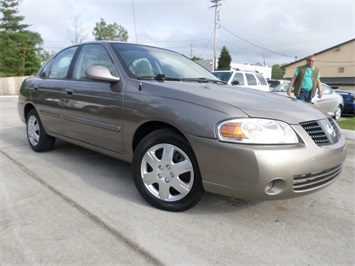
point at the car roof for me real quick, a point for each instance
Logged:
(107, 42)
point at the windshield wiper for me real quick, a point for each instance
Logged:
(159, 77)
(206, 80)
(162, 77)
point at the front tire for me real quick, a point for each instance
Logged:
(37, 137)
(165, 171)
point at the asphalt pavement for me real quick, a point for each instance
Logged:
(72, 206)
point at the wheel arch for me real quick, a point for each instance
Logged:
(149, 127)
(27, 109)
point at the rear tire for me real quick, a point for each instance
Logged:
(337, 113)
(165, 171)
(37, 137)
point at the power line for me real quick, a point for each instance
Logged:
(204, 50)
(254, 43)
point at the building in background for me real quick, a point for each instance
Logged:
(336, 65)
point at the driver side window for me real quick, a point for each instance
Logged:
(90, 55)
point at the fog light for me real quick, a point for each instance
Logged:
(269, 186)
(275, 186)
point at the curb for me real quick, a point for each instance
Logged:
(349, 134)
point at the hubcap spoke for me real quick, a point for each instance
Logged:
(182, 187)
(168, 154)
(164, 193)
(150, 178)
(182, 167)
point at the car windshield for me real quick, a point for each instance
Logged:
(224, 76)
(283, 87)
(144, 62)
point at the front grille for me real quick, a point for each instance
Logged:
(316, 132)
(305, 182)
(322, 132)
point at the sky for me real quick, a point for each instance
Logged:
(253, 31)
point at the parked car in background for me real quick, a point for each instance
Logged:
(182, 129)
(349, 101)
(274, 82)
(251, 80)
(330, 101)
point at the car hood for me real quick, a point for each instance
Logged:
(226, 98)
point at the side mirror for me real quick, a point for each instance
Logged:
(235, 82)
(100, 73)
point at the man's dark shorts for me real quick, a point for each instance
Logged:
(305, 95)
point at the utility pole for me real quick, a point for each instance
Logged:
(264, 63)
(134, 20)
(216, 19)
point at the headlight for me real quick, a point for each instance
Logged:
(256, 131)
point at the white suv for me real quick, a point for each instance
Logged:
(243, 78)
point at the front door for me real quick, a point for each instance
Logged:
(92, 110)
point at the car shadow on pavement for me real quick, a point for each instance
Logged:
(216, 204)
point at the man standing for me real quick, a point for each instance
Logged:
(306, 81)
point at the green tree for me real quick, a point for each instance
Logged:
(10, 20)
(114, 32)
(19, 47)
(225, 59)
(195, 58)
(277, 72)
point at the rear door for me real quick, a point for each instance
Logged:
(47, 90)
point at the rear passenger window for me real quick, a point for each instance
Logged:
(261, 79)
(251, 79)
(58, 67)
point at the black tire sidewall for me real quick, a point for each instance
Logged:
(45, 142)
(170, 137)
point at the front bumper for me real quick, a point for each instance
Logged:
(267, 172)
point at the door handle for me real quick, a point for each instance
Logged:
(69, 91)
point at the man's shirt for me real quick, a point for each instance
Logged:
(307, 82)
